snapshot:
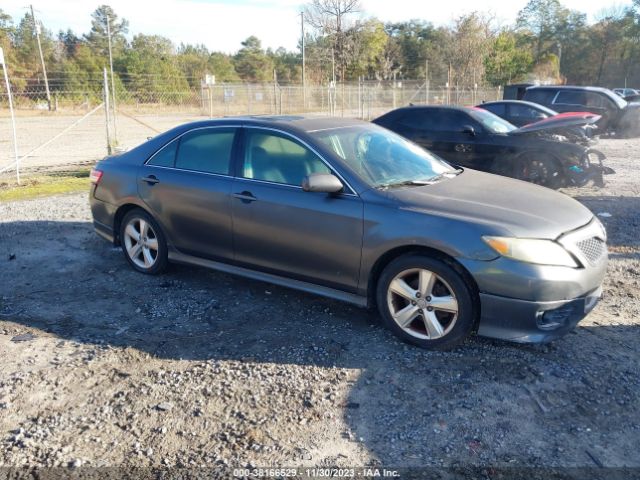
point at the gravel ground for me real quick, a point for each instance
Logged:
(102, 366)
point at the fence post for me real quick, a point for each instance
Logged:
(210, 95)
(106, 108)
(275, 91)
(248, 98)
(13, 118)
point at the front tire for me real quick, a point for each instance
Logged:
(143, 242)
(426, 301)
(540, 170)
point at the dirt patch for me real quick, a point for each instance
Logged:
(104, 366)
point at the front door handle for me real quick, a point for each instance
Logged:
(245, 196)
(151, 180)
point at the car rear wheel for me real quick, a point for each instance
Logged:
(143, 243)
(426, 301)
(540, 170)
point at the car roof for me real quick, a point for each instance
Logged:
(413, 108)
(305, 123)
(570, 87)
(514, 102)
(534, 105)
(290, 123)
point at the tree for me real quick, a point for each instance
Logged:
(331, 18)
(414, 43)
(470, 42)
(7, 31)
(98, 38)
(366, 44)
(252, 63)
(505, 62)
(151, 70)
(542, 19)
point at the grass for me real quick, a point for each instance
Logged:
(45, 185)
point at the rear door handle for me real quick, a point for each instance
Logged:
(245, 196)
(151, 180)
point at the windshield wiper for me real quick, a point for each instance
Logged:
(404, 183)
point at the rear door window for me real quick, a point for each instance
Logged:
(418, 119)
(496, 108)
(570, 97)
(206, 150)
(525, 112)
(166, 156)
(543, 97)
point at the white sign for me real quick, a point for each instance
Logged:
(210, 79)
(1, 57)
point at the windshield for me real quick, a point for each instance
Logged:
(491, 122)
(621, 102)
(382, 158)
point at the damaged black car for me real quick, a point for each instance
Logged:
(539, 153)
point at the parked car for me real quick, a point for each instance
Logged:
(626, 92)
(515, 91)
(521, 113)
(476, 138)
(618, 115)
(518, 112)
(349, 210)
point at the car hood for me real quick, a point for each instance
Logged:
(560, 121)
(522, 209)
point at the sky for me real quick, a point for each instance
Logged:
(222, 24)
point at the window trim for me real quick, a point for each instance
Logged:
(240, 158)
(239, 149)
(177, 139)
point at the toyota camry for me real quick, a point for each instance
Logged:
(349, 210)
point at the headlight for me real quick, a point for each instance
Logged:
(542, 252)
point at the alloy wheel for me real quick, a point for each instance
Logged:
(141, 243)
(422, 303)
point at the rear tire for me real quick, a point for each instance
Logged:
(143, 242)
(426, 301)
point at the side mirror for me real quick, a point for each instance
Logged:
(322, 182)
(469, 129)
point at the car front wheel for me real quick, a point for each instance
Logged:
(143, 243)
(426, 301)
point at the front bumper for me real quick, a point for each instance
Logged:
(527, 321)
(591, 168)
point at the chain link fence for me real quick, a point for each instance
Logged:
(72, 130)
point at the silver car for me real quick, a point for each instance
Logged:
(352, 211)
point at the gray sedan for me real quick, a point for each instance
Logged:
(352, 211)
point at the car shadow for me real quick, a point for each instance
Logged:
(483, 400)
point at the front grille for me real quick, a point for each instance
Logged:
(592, 248)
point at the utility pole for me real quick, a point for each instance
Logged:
(304, 84)
(36, 28)
(113, 87)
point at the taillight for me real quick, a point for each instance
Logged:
(95, 176)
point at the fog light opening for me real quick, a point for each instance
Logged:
(554, 319)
